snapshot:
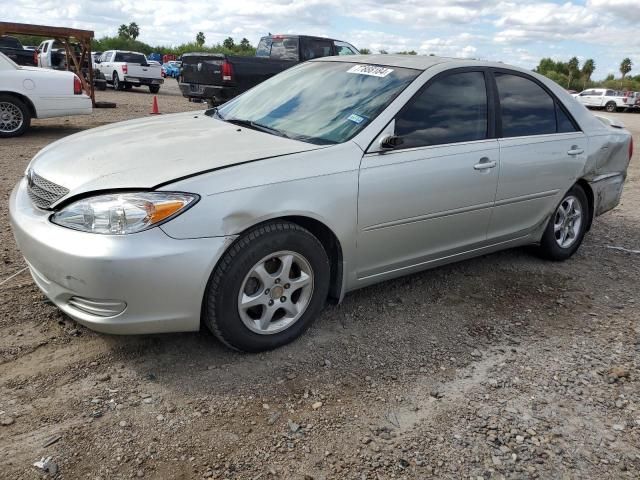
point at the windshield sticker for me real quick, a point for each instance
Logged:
(356, 118)
(370, 70)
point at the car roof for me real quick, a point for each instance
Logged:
(417, 62)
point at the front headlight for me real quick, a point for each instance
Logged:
(122, 213)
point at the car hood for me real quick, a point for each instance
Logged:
(148, 152)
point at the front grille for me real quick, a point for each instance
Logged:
(42, 192)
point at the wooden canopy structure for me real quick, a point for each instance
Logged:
(78, 61)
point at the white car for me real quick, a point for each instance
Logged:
(608, 99)
(30, 92)
(125, 70)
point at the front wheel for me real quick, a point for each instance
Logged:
(15, 117)
(154, 88)
(567, 226)
(267, 288)
(610, 107)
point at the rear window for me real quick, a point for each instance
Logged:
(131, 58)
(278, 47)
(10, 42)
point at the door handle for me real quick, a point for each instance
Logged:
(575, 150)
(485, 164)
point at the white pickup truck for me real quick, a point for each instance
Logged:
(124, 70)
(31, 92)
(608, 99)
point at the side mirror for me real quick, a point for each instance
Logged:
(390, 142)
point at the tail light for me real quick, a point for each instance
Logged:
(35, 57)
(77, 85)
(624, 100)
(227, 71)
(125, 69)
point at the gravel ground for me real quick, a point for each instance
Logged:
(505, 366)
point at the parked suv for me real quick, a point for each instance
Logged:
(217, 77)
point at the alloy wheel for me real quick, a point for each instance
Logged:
(276, 292)
(11, 118)
(567, 221)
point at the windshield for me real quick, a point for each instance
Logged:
(320, 102)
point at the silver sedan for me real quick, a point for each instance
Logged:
(335, 174)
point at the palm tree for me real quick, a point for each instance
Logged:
(625, 67)
(574, 66)
(134, 30)
(587, 70)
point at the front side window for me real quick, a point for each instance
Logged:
(343, 48)
(319, 102)
(451, 109)
(526, 108)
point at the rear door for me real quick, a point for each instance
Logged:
(432, 196)
(542, 152)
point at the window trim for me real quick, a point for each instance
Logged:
(556, 101)
(491, 112)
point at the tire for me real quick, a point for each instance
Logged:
(610, 107)
(550, 246)
(15, 117)
(117, 84)
(128, 86)
(102, 86)
(154, 88)
(241, 329)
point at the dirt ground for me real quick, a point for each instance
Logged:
(505, 366)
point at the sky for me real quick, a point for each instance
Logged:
(515, 32)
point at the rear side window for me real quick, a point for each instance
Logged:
(343, 48)
(565, 125)
(315, 48)
(526, 108)
(264, 47)
(284, 48)
(451, 109)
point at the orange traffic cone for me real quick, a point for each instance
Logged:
(155, 110)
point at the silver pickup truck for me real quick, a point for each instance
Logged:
(125, 70)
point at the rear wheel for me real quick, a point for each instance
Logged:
(610, 107)
(267, 288)
(128, 86)
(117, 84)
(15, 117)
(567, 226)
(154, 88)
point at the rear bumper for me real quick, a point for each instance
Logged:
(145, 283)
(143, 81)
(607, 190)
(216, 93)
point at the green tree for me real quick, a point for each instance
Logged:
(245, 44)
(574, 69)
(625, 67)
(364, 51)
(587, 70)
(200, 39)
(609, 77)
(134, 30)
(229, 43)
(410, 52)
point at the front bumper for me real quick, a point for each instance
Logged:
(146, 282)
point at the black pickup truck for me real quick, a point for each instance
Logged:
(217, 77)
(13, 49)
